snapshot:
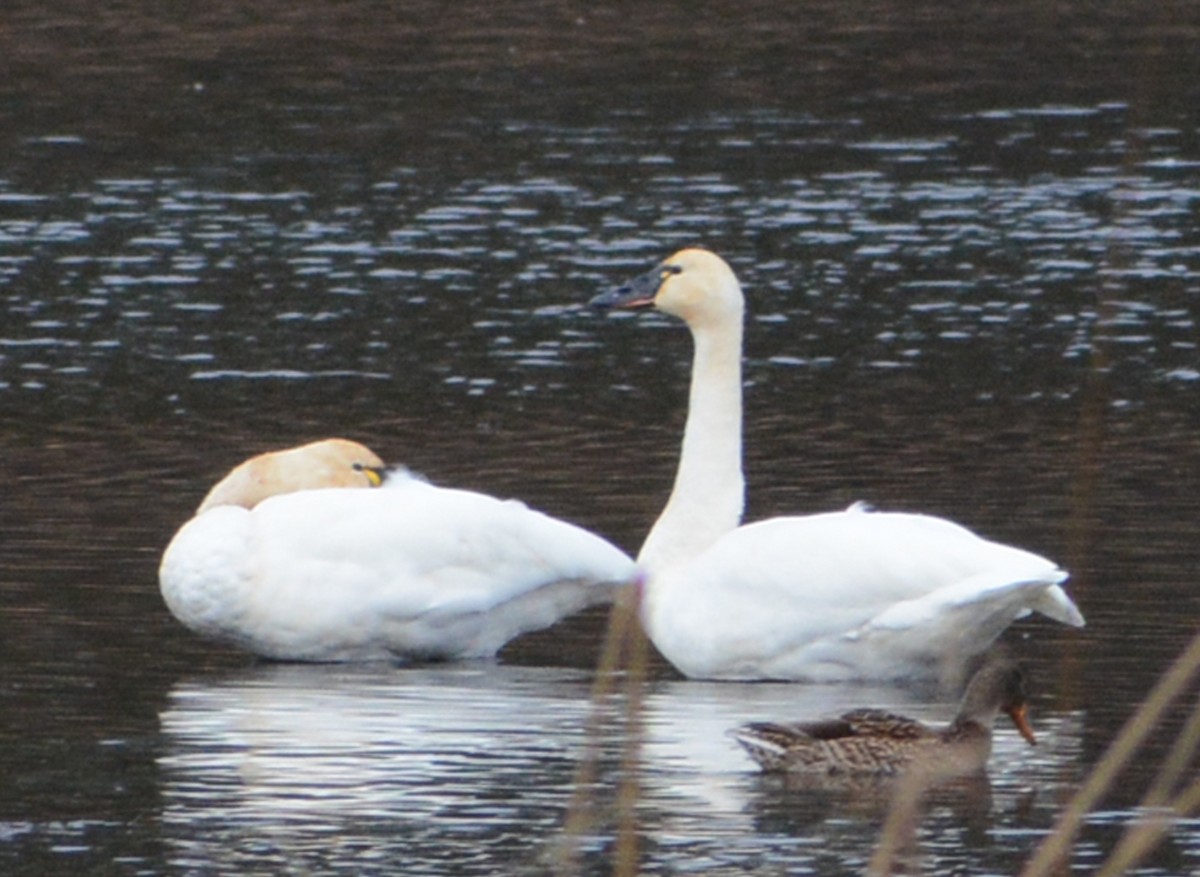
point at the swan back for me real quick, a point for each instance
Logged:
(326, 463)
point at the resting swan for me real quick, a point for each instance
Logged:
(844, 595)
(319, 553)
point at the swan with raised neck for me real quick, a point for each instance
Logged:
(708, 497)
(853, 594)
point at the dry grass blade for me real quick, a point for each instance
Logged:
(1161, 811)
(1177, 762)
(1052, 853)
(580, 817)
(626, 855)
(900, 829)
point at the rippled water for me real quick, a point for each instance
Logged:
(970, 244)
(305, 768)
(474, 286)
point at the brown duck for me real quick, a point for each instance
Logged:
(873, 741)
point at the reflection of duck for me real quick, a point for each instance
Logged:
(872, 741)
(286, 557)
(854, 594)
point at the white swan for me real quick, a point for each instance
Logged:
(847, 595)
(290, 557)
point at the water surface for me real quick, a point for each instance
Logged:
(969, 242)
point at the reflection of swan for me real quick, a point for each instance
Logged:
(368, 769)
(874, 741)
(854, 594)
(468, 768)
(317, 742)
(408, 570)
(441, 746)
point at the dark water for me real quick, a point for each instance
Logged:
(969, 236)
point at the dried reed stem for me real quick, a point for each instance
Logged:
(626, 857)
(1052, 853)
(581, 809)
(900, 828)
(1162, 811)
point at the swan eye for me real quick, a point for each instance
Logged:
(668, 271)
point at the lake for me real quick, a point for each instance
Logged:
(969, 239)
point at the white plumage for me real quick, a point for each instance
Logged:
(846, 595)
(405, 570)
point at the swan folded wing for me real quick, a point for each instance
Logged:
(874, 560)
(418, 549)
(1001, 595)
(438, 547)
(786, 597)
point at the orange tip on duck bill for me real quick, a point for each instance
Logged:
(1019, 718)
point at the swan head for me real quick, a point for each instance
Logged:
(327, 463)
(695, 285)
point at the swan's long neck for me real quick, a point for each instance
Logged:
(709, 491)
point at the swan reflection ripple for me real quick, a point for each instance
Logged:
(353, 769)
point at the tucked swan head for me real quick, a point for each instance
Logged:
(695, 285)
(327, 463)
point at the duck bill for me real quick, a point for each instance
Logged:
(1019, 717)
(637, 293)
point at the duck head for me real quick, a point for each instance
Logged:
(998, 687)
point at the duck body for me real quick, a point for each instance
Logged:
(863, 741)
(404, 571)
(874, 741)
(845, 595)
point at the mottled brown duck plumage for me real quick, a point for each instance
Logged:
(873, 741)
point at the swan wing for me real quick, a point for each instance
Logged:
(849, 594)
(407, 569)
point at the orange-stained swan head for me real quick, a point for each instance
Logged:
(327, 463)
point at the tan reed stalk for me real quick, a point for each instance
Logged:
(900, 828)
(1141, 838)
(629, 792)
(1160, 811)
(1177, 761)
(581, 809)
(1052, 853)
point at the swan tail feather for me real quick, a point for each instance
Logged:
(1054, 603)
